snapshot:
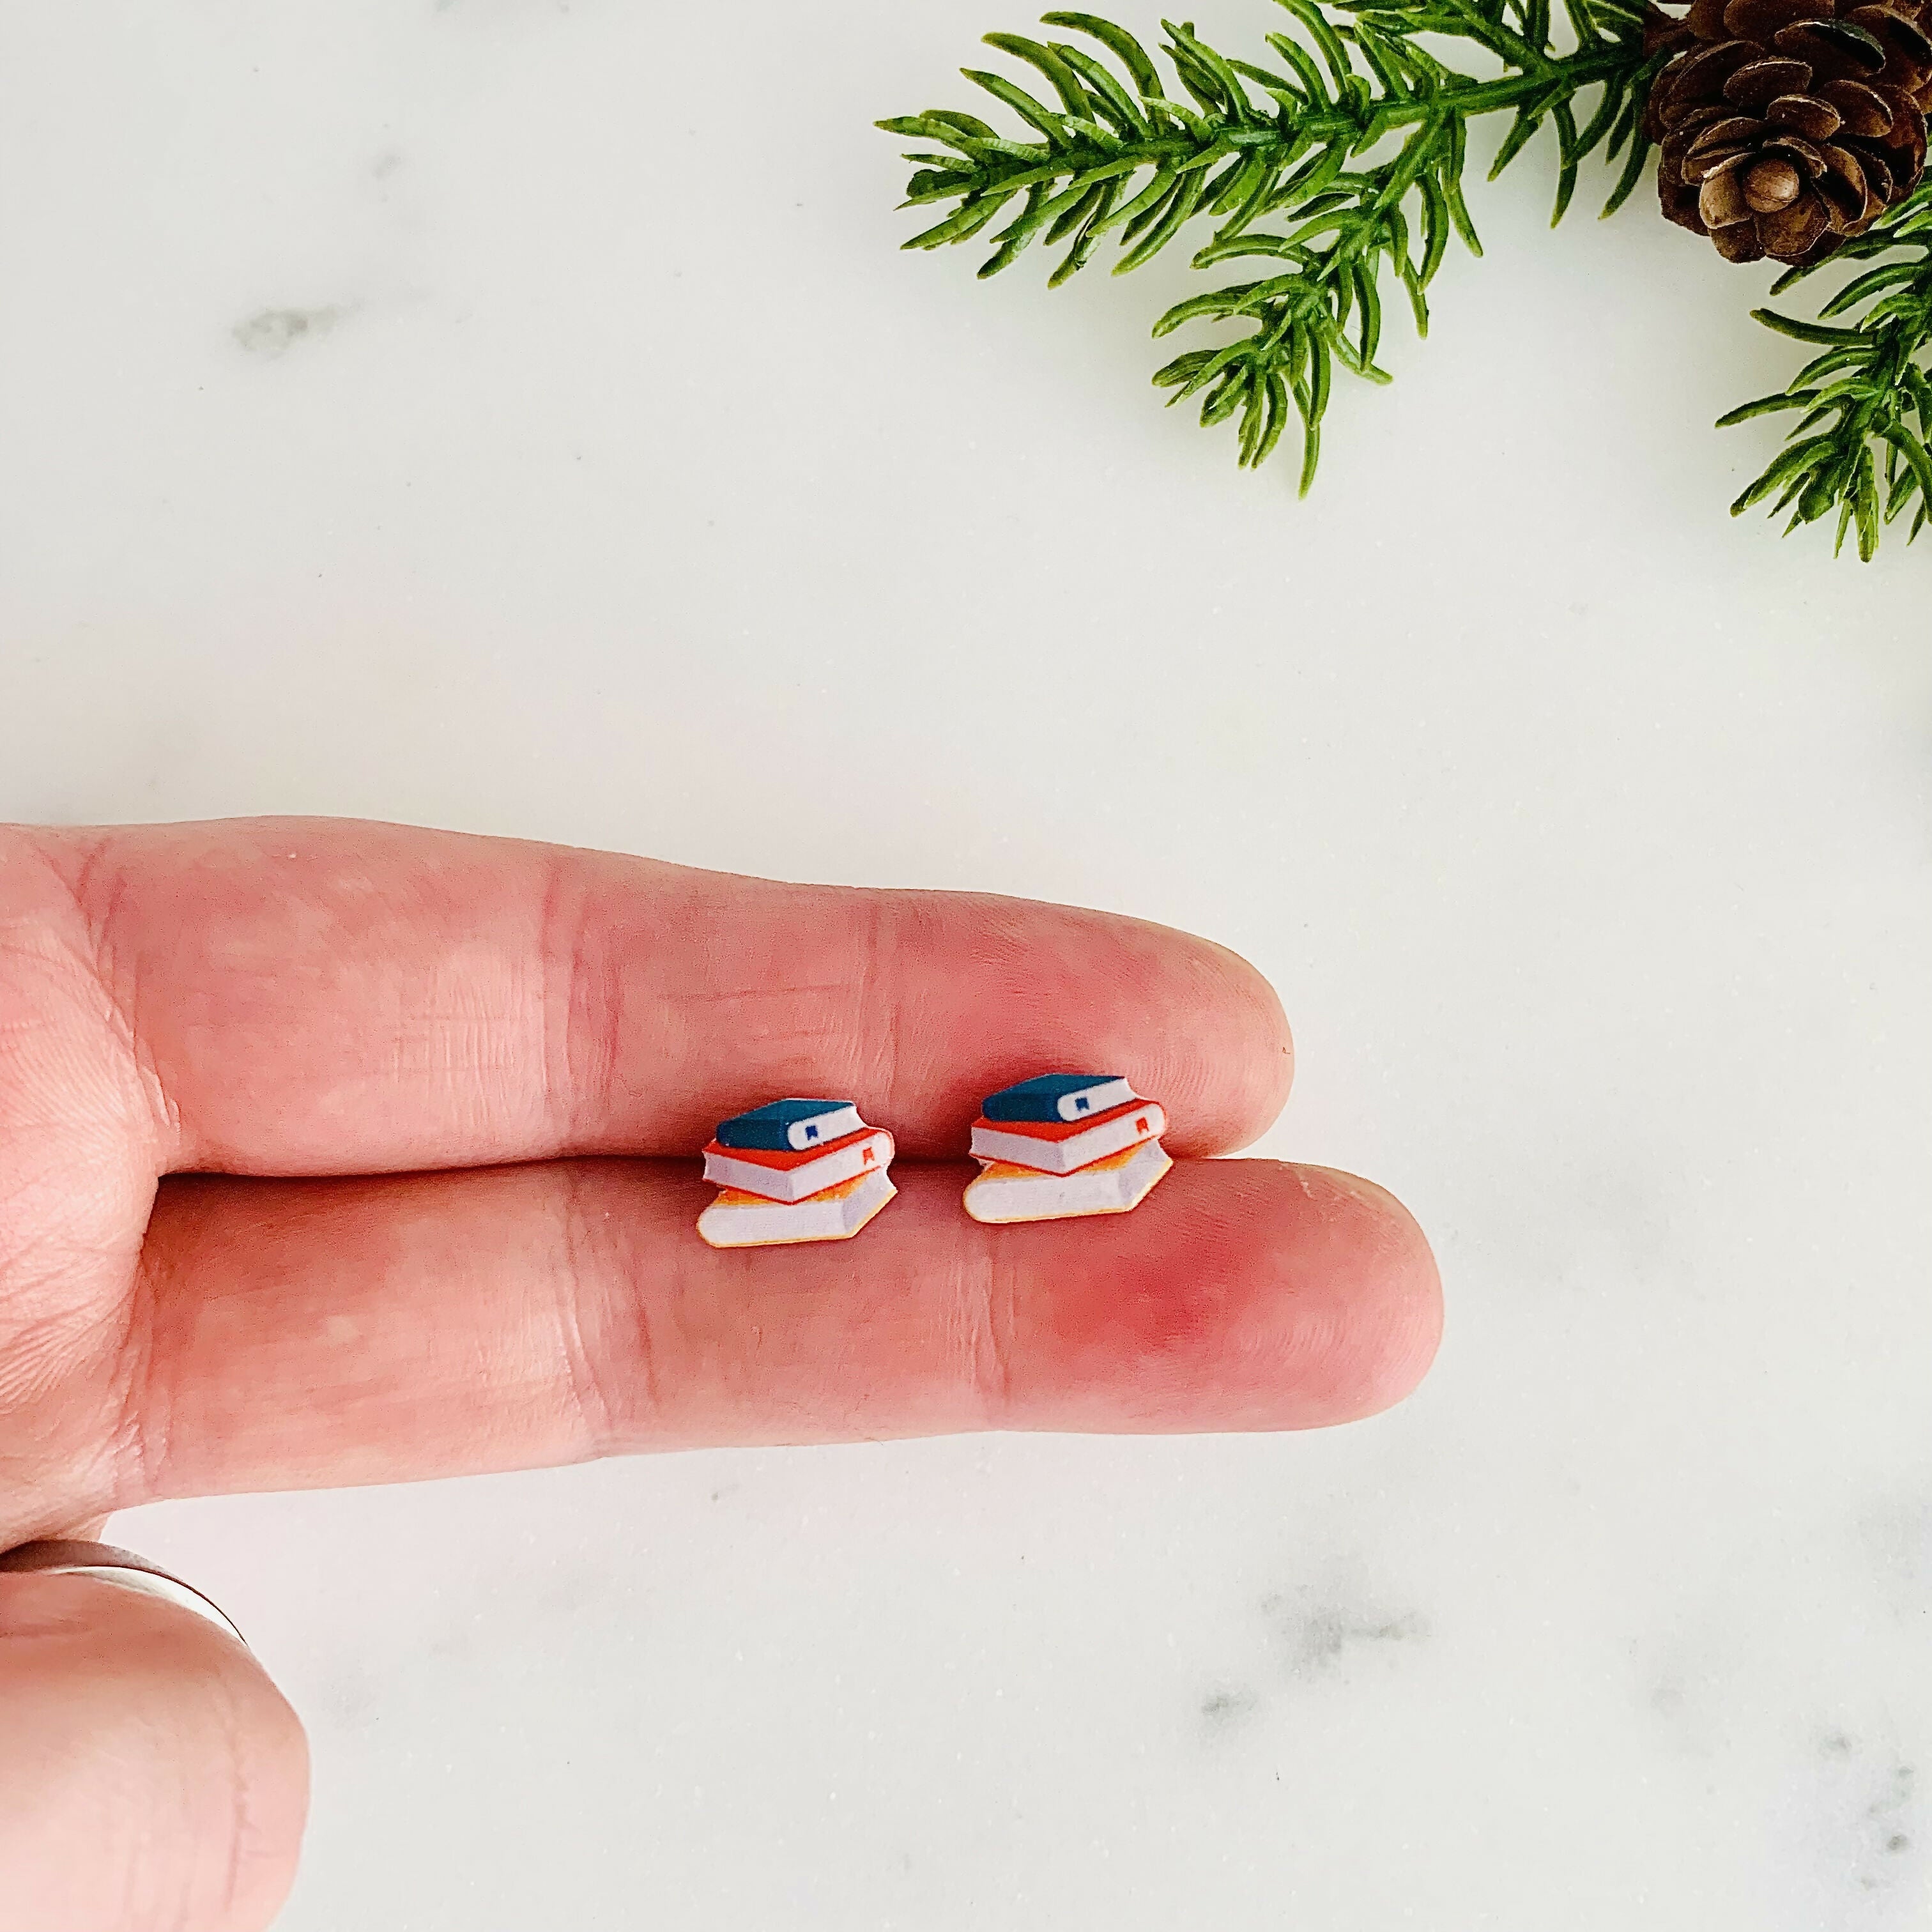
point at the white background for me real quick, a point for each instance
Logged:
(517, 416)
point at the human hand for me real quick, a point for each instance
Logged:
(338, 1153)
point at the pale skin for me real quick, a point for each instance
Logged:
(338, 1153)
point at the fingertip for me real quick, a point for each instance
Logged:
(1344, 1306)
(1251, 1295)
(154, 1775)
(1393, 1291)
(280, 1777)
(1269, 1059)
(1227, 1074)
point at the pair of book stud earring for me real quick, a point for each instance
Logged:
(1049, 1149)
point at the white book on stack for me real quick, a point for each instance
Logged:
(1006, 1193)
(1059, 1147)
(739, 1220)
(792, 1176)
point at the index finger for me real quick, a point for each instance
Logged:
(323, 997)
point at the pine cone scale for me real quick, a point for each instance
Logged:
(1795, 147)
(1831, 50)
(1759, 82)
(1786, 125)
(1720, 201)
(1689, 79)
(1862, 109)
(1793, 232)
(1740, 243)
(1844, 180)
(1903, 39)
(1759, 20)
(1735, 130)
(1908, 132)
(1808, 115)
(1772, 184)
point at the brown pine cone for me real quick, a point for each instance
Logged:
(1788, 124)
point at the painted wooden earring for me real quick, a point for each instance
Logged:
(1064, 1144)
(795, 1170)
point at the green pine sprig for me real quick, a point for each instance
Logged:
(1342, 164)
(1860, 447)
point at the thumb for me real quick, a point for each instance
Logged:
(151, 1778)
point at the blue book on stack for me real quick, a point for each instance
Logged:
(1058, 1096)
(790, 1126)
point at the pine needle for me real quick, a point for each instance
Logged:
(1277, 157)
(1859, 447)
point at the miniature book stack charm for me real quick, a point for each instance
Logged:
(1064, 1144)
(795, 1170)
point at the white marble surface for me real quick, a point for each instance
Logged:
(517, 416)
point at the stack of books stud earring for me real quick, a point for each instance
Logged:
(795, 1170)
(1063, 1145)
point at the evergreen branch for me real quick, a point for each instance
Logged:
(1302, 145)
(1860, 445)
